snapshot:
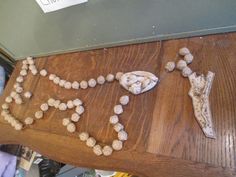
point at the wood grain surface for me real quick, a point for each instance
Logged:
(165, 139)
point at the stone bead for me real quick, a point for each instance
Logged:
(188, 58)
(170, 66)
(92, 83)
(83, 136)
(118, 109)
(5, 106)
(4, 112)
(118, 127)
(19, 89)
(13, 94)
(75, 117)
(29, 121)
(18, 101)
(44, 107)
(27, 94)
(17, 85)
(101, 80)
(186, 71)
(8, 99)
(122, 135)
(19, 79)
(62, 83)
(118, 75)
(62, 107)
(18, 126)
(110, 78)
(17, 96)
(32, 67)
(83, 84)
(90, 142)
(51, 77)
(65, 121)
(25, 62)
(77, 102)
(70, 104)
(107, 150)
(75, 85)
(68, 85)
(56, 80)
(71, 127)
(117, 145)
(43, 72)
(124, 100)
(181, 64)
(114, 119)
(23, 72)
(79, 109)
(30, 60)
(184, 51)
(39, 114)
(34, 71)
(97, 149)
(26, 67)
(51, 102)
(57, 103)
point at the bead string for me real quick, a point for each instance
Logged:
(77, 105)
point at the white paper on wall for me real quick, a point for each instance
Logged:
(53, 5)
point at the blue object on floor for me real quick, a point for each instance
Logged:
(2, 79)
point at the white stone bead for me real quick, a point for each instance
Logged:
(30, 60)
(79, 109)
(83, 136)
(19, 79)
(117, 145)
(17, 85)
(107, 150)
(83, 84)
(29, 121)
(57, 103)
(75, 85)
(43, 72)
(122, 135)
(124, 100)
(118, 75)
(75, 117)
(38, 114)
(51, 102)
(13, 94)
(97, 149)
(14, 122)
(25, 62)
(71, 127)
(27, 94)
(67, 85)
(92, 83)
(32, 67)
(188, 58)
(110, 77)
(101, 80)
(18, 101)
(23, 72)
(65, 121)
(77, 102)
(118, 127)
(17, 96)
(90, 142)
(62, 107)
(56, 80)
(186, 71)
(181, 64)
(70, 104)
(4, 112)
(8, 99)
(18, 126)
(19, 89)
(26, 67)
(44, 107)
(118, 109)
(62, 83)
(114, 119)
(184, 51)
(170, 66)
(51, 77)
(5, 106)
(34, 71)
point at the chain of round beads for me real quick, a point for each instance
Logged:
(19, 96)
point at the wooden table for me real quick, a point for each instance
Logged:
(165, 139)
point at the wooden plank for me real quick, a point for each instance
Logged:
(164, 137)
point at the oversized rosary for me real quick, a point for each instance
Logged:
(136, 82)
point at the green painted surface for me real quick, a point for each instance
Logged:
(25, 30)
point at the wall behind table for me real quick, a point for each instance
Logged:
(26, 31)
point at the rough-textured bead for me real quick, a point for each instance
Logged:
(83, 84)
(68, 85)
(71, 127)
(70, 104)
(8, 99)
(114, 119)
(184, 51)
(83, 136)
(32, 67)
(170, 66)
(107, 150)
(44, 107)
(51, 102)
(19, 89)
(19, 79)
(13, 94)
(188, 58)
(56, 80)
(90, 142)
(118, 75)
(117, 145)
(181, 64)
(27, 94)
(5, 106)
(23, 72)
(18, 101)
(25, 62)
(101, 80)
(30, 60)
(62, 107)
(97, 149)
(57, 103)
(124, 100)
(43, 72)
(118, 127)
(34, 71)
(75, 117)
(39, 114)
(52, 76)
(186, 71)
(17, 85)
(65, 121)
(118, 109)
(26, 67)
(18, 126)
(79, 109)
(110, 77)
(77, 102)
(62, 83)
(29, 121)
(92, 83)
(122, 135)
(75, 85)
